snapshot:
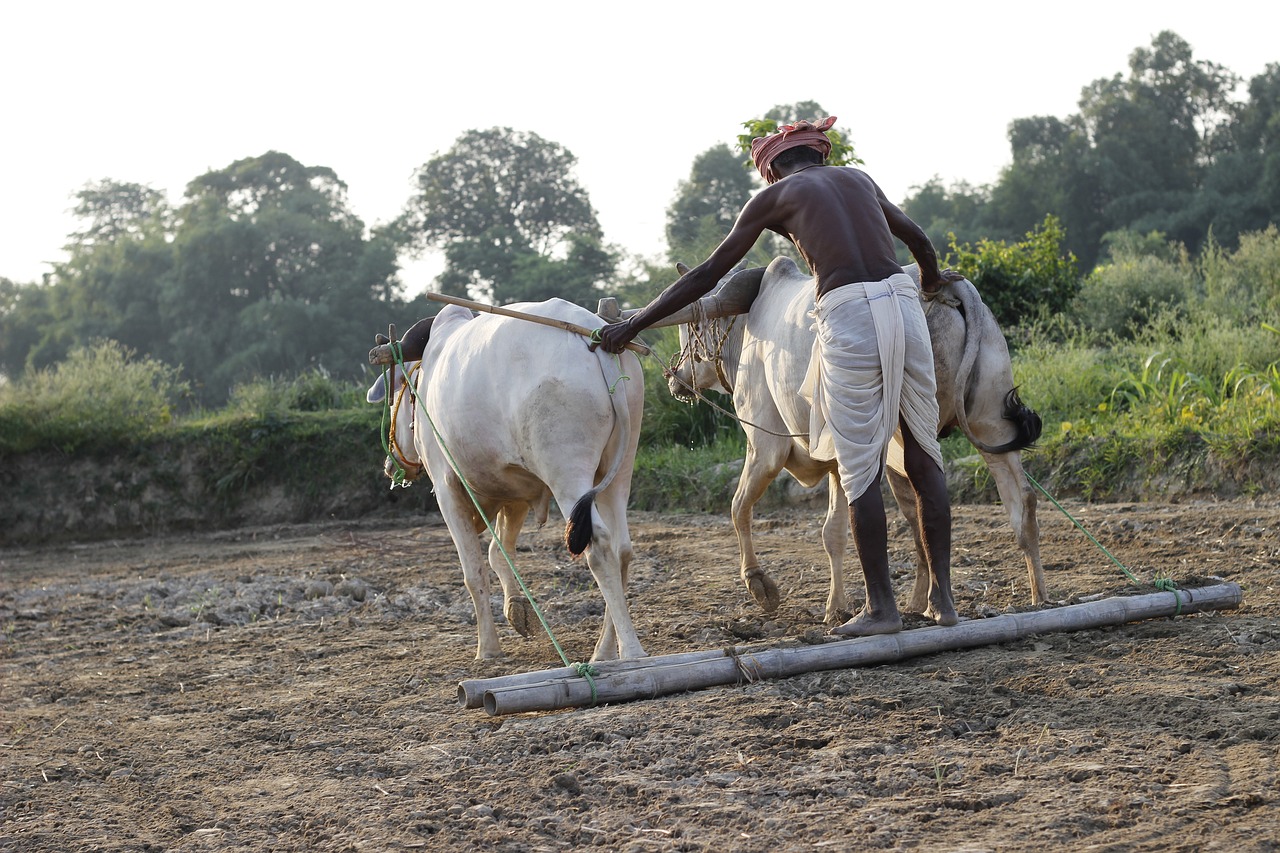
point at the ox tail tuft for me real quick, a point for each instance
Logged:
(1026, 424)
(1025, 418)
(579, 530)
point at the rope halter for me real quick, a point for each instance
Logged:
(704, 343)
(395, 444)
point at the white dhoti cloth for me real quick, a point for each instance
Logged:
(872, 361)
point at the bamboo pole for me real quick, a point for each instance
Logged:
(471, 691)
(657, 676)
(634, 346)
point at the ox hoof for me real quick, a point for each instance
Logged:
(763, 590)
(945, 618)
(520, 614)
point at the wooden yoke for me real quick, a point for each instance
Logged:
(634, 346)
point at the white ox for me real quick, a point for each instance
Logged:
(761, 357)
(524, 413)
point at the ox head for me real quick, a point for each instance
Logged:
(403, 464)
(704, 328)
(697, 366)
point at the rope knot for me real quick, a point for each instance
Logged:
(588, 672)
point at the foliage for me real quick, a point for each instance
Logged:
(1160, 148)
(313, 391)
(706, 204)
(263, 270)
(947, 214)
(1025, 280)
(1119, 297)
(511, 220)
(1243, 285)
(273, 275)
(101, 395)
(676, 478)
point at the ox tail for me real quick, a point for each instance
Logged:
(580, 529)
(1026, 422)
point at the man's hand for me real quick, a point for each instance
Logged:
(947, 276)
(614, 337)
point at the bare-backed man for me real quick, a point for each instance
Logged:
(872, 370)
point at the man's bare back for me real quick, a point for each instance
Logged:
(837, 217)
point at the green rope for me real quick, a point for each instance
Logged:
(1163, 584)
(583, 669)
(588, 672)
(1128, 573)
(398, 477)
(1168, 585)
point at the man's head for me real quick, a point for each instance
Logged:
(765, 149)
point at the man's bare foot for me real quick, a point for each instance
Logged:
(868, 625)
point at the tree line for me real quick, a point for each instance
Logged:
(262, 269)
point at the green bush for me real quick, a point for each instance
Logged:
(1243, 286)
(314, 391)
(1028, 279)
(1118, 298)
(677, 478)
(101, 395)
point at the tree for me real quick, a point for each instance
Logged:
(107, 286)
(706, 204)
(946, 214)
(1242, 186)
(25, 318)
(273, 275)
(511, 220)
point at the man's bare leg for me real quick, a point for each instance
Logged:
(871, 537)
(934, 511)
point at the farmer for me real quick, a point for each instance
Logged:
(872, 355)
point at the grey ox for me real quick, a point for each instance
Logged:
(524, 413)
(761, 358)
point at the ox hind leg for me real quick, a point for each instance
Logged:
(602, 522)
(618, 637)
(461, 519)
(835, 536)
(1020, 500)
(515, 604)
(758, 471)
(905, 495)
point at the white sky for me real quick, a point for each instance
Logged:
(158, 93)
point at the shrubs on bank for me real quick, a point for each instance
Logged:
(1147, 366)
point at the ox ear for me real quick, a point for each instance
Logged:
(378, 391)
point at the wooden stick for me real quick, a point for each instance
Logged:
(471, 691)
(634, 346)
(659, 678)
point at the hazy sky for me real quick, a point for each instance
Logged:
(158, 93)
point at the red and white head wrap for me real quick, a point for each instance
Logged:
(765, 148)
